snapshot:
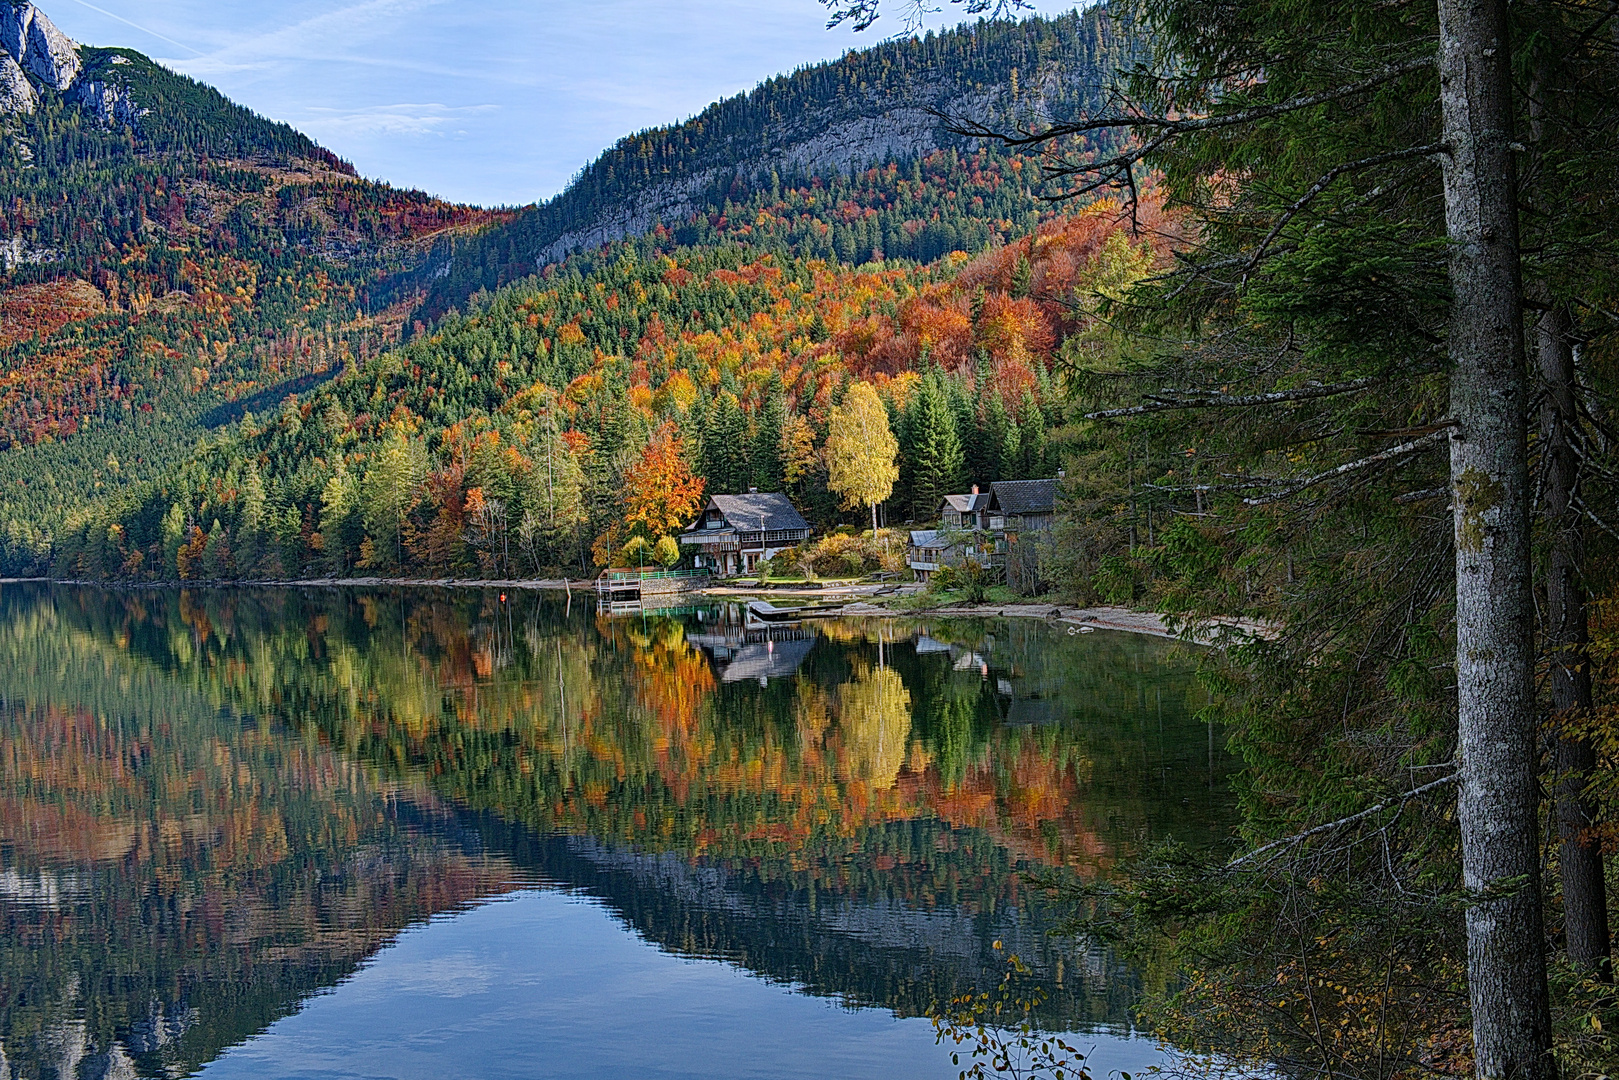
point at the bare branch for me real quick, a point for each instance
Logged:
(1595, 520)
(1181, 126)
(1326, 181)
(862, 13)
(1390, 454)
(1177, 399)
(1422, 496)
(1299, 838)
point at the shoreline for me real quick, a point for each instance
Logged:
(1077, 619)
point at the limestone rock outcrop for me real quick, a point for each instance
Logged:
(37, 46)
(17, 94)
(107, 102)
(34, 50)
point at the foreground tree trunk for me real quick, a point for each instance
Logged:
(1566, 639)
(1498, 794)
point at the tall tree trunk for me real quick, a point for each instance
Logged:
(1566, 638)
(1497, 800)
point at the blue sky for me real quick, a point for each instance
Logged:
(484, 101)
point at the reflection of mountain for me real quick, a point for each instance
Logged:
(854, 825)
(173, 879)
(875, 950)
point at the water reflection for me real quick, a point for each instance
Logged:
(214, 804)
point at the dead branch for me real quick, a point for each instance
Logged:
(1326, 181)
(1390, 454)
(1299, 838)
(1180, 399)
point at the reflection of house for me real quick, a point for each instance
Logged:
(736, 531)
(745, 652)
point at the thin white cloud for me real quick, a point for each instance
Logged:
(400, 119)
(138, 26)
(312, 39)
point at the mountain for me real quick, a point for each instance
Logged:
(203, 364)
(170, 258)
(752, 165)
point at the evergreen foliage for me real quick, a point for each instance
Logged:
(734, 158)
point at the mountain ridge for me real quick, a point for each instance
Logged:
(872, 107)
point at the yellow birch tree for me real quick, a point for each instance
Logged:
(861, 451)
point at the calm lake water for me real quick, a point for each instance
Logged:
(424, 833)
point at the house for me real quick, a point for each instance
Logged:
(970, 511)
(1022, 505)
(735, 532)
(931, 550)
(927, 552)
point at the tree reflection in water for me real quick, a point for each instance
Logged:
(213, 804)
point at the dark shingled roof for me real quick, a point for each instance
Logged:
(742, 512)
(1022, 497)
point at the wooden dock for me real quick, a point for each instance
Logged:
(630, 591)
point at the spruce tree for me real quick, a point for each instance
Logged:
(725, 447)
(935, 449)
(766, 457)
(1032, 456)
(996, 426)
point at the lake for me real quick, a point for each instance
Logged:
(435, 833)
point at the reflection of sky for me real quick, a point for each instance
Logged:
(546, 984)
(486, 101)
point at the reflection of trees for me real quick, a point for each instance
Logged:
(862, 785)
(176, 878)
(874, 719)
(621, 730)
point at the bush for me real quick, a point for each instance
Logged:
(846, 553)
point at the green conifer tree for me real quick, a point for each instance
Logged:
(936, 463)
(766, 458)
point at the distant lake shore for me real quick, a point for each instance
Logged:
(1077, 619)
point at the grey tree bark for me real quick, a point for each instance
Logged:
(1498, 793)
(1565, 637)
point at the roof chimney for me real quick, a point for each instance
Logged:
(975, 489)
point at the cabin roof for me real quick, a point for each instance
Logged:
(1019, 497)
(928, 538)
(743, 512)
(968, 504)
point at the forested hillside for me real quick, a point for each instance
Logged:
(176, 263)
(168, 254)
(803, 164)
(532, 432)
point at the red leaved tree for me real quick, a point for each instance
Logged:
(660, 492)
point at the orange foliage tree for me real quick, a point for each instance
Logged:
(660, 492)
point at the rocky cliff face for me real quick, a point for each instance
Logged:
(33, 47)
(819, 142)
(109, 102)
(17, 94)
(37, 56)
